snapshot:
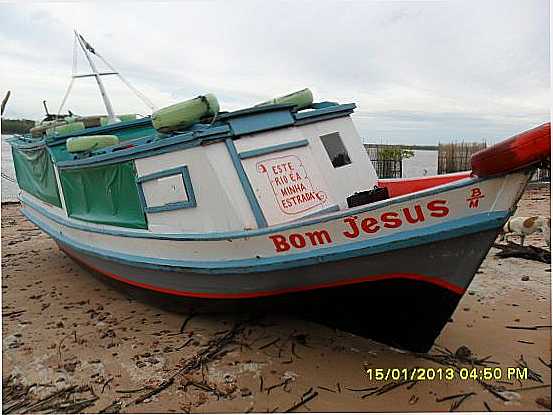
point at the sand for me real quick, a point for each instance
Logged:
(63, 327)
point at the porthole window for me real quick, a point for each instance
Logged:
(335, 149)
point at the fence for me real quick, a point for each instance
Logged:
(455, 157)
(387, 160)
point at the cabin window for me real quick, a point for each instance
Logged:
(167, 190)
(335, 149)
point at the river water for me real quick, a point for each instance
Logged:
(9, 188)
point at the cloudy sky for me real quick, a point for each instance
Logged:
(419, 71)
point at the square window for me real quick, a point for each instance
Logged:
(166, 190)
(335, 149)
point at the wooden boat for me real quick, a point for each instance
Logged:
(254, 208)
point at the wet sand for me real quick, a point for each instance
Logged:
(63, 327)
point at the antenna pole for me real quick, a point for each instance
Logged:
(107, 103)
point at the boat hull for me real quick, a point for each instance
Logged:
(394, 297)
(393, 271)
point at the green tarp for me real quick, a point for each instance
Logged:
(104, 194)
(35, 173)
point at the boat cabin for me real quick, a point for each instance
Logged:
(240, 170)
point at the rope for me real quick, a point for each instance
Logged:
(139, 94)
(8, 178)
(206, 102)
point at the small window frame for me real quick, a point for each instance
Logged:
(324, 139)
(185, 204)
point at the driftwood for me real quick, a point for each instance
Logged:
(13, 313)
(528, 327)
(4, 102)
(447, 398)
(211, 351)
(306, 397)
(185, 322)
(456, 404)
(513, 250)
(17, 398)
(544, 363)
(532, 375)
(326, 389)
(388, 387)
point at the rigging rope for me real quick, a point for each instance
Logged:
(73, 72)
(5, 176)
(139, 94)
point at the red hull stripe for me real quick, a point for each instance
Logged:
(417, 277)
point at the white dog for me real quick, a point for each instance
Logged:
(524, 226)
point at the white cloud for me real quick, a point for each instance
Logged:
(418, 71)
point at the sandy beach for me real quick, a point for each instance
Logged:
(62, 327)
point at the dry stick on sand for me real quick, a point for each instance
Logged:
(533, 253)
(532, 375)
(205, 387)
(63, 400)
(126, 391)
(456, 404)
(449, 359)
(106, 383)
(269, 344)
(545, 364)
(60, 361)
(529, 388)
(278, 385)
(326, 389)
(493, 390)
(13, 313)
(362, 389)
(211, 351)
(185, 322)
(527, 327)
(306, 397)
(447, 398)
(387, 388)
(112, 408)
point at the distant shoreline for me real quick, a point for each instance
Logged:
(404, 146)
(16, 126)
(22, 126)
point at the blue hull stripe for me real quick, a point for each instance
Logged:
(217, 236)
(411, 238)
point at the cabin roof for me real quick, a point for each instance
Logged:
(227, 125)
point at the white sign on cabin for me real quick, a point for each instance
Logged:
(288, 185)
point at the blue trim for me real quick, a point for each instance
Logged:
(407, 239)
(302, 115)
(123, 125)
(246, 185)
(330, 209)
(262, 121)
(323, 117)
(154, 148)
(163, 144)
(215, 236)
(185, 204)
(272, 149)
